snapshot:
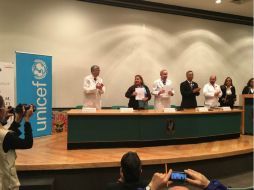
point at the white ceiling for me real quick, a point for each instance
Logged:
(227, 6)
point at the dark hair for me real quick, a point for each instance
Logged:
(189, 72)
(1, 101)
(94, 67)
(227, 79)
(248, 84)
(131, 167)
(141, 78)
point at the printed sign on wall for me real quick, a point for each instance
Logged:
(7, 83)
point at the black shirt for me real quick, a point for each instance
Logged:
(227, 100)
(133, 103)
(247, 90)
(13, 141)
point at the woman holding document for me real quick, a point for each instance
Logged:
(138, 94)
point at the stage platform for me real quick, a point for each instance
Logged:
(50, 153)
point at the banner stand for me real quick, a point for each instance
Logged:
(34, 86)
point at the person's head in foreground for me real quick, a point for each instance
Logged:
(130, 170)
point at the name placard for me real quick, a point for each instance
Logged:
(88, 110)
(202, 109)
(169, 110)
(226, 108)
(126, 109)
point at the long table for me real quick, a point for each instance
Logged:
(112, 128)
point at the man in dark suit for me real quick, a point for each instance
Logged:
(189, 91)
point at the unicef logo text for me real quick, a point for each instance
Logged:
(39, 69)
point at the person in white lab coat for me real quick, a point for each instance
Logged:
(212, 93)
(93, 88)
(162, 91)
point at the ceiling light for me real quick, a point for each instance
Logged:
(218, 1)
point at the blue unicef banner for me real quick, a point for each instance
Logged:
(34, 86)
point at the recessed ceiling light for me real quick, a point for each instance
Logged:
(218, 1)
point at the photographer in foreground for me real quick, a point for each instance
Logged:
(162, 180)
(9, 141)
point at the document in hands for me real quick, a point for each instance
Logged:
(140, 93)
(167, 88)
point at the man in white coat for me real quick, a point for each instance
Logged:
(162, 91)
(93, 88)
(212, 92)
